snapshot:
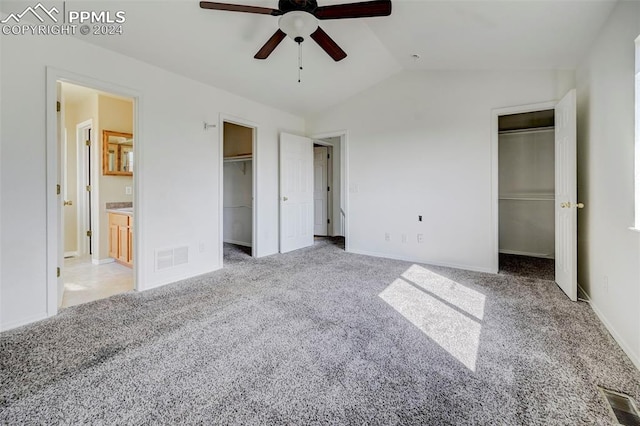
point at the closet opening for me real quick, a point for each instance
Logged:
(526, 194)
(238, 191)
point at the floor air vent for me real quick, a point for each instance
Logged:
(623, 407)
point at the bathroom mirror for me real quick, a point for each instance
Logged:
(117, 153)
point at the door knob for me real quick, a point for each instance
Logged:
(580, 205)
(284, 198)
(565, 205)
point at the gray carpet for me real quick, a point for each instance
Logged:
(525, 266)
(318, 336)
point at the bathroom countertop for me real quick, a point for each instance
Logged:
(126, 210)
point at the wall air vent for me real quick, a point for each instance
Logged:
(168, 258)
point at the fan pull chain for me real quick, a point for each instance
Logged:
(299, 61)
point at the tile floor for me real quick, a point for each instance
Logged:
(85, 282)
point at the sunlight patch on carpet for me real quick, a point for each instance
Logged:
(448, 312)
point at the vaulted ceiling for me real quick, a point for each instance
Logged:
(217, 47)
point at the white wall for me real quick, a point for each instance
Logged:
(608, 250)
(177, 176)
(420, 144)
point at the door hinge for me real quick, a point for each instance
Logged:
(328, 188)
(89, 234)
(58, 189)
(88, 188)
(329, 221)
(58, 272)
(87, 142)
(328, 156)
(58, 107)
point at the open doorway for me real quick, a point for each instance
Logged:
(328, 194)
(526, 188)
(96, 162)
(322, 194)
(238, 189)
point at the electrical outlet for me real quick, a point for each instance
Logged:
(419, 218)
(387, 236)
(404, 238)
(421, 238)
(127, 190)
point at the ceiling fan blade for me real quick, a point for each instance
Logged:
(328, 45)
(367, 9)
(270, 45)
(239, 8)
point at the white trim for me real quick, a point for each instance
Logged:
(634, 229)
(495, 224)
(344, 176)
(238, 243)
(422, 261)
(53, 75)
(23, 321)
(102, 261)
(226, 118)
(624, 345)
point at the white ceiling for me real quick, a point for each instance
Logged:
(217, 47)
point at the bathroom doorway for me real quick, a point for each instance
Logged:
(97, 194)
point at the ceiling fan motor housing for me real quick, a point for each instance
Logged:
(302, 5)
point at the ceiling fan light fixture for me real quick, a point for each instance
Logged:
(298, 25)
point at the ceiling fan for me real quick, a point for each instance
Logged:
(299, 19)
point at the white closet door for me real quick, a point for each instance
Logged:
(566, 196)
(296, 192)
(320, 194)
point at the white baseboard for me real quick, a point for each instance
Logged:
(23, 321)
(238, 243)
(633, 356)
(103, 261)
(71, 254)
(174, 278)
(424, 261)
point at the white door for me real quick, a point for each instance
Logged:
(566, 196)
(320, 194)
(60, 219)
(296, 192)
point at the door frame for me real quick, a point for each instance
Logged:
(226, 118)
(54, 213)
(84, 216)
(344, 175)
(495, 202)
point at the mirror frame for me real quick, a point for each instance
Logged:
(105, 149)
